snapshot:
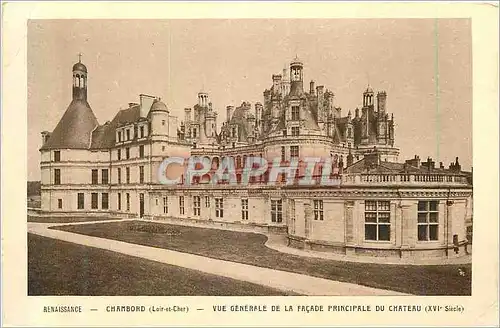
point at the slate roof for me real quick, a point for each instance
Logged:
(104, 136)
(74, 130)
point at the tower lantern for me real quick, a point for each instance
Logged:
(79, 80)
(296, 77)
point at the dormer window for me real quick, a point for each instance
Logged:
(128, 134)
(234, 133)
(119, 136)
(194, 133)
(141, 130)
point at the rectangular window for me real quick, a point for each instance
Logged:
(57, 176)
(377, 220)
(95, 176)
(196, 205)
(165, 205)
(81, 201)
(128, 134)
(127, 174)
(207, 201)
(104, 200)
(119, 136)
(128, 202)
(283, 153)
(141, 151)
(94, 201)
(141, 174)
(119, 175)
(119, 154)
(194, 133)
(59, 203)
(277, 210)
(219, 207)
(119, 201)
(181, 205)
(318, 209)
(104, 176)
(142, 131)
(295, 131)
(295, 113)
(427, 220)
(294, 151)
(57, 156)
(127, 153)
(244, 209)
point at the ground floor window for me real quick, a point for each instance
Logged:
(318, 209)
(377, 220)
(80, 201)
(196, 205)
(104, 200)
(119, 201)
(427, 220)
(165, 205)
(94, 201)
(181, 205)
(59, 203)
(276, 210)
(128, 202)
(244, 209)
(219, 208)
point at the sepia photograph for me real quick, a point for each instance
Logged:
(253, 157)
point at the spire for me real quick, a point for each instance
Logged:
(80, 57)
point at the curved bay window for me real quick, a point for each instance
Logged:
(377, 220)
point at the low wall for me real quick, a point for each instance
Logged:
(408, 253)
(248, 227)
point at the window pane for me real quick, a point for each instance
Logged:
(371, 217)
(370, 206)
(422, 232)
(422, 217)
(384, 232)
(371, 232)
(383, 206)
(433, 232)
(422, 206)
(433, 217)
(384, 217)
(433, 205)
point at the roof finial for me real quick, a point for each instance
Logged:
(80, 57)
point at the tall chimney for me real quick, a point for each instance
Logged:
(187, 115)
(229, 112)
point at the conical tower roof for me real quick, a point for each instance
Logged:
(74, 130)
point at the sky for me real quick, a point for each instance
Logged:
(425, 66)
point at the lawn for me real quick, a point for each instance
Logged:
(63, 219)
(60, 268)
(249, 248)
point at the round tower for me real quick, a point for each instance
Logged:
(79, 80)
(158, 115)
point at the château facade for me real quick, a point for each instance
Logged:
(379, 207)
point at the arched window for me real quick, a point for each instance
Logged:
(78, 80)
(238, 162)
